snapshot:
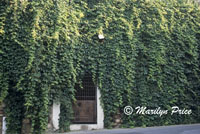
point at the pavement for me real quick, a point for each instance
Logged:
(176, 129)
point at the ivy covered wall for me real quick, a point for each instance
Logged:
(149, 57)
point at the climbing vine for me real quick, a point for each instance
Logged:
(149, 57)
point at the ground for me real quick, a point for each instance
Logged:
(177, 129)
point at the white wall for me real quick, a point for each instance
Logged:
(4, 126)
(55, 113)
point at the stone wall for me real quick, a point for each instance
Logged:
(26, 126)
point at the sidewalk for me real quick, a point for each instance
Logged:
(176, 129)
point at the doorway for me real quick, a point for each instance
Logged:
(85, 107)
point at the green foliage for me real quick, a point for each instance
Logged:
(149, 57)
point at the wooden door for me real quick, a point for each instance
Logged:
(85, 111)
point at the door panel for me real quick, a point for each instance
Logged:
(84, 111)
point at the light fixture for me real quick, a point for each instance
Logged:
(101, 37)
